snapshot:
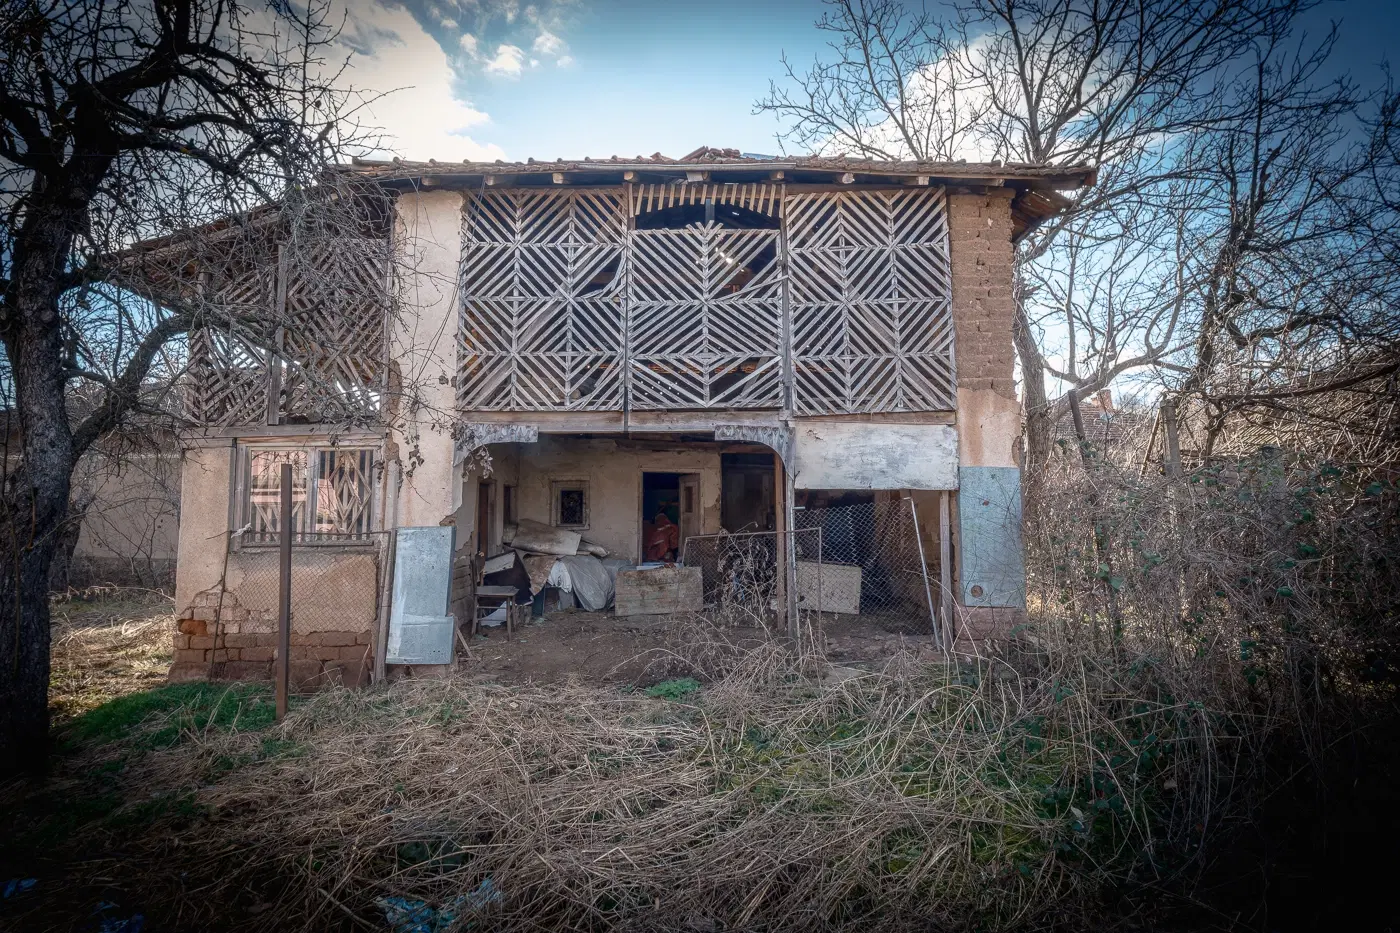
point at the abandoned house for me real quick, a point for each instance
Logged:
(629, 360)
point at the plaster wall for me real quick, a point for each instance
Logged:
(428, 234)
(613, 470)
(204, 514)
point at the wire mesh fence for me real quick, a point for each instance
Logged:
(873, 564)
(335, 583)
(742, 578)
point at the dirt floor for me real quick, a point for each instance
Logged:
(598, 647)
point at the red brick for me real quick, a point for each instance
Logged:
(194, 627)
(248, 670)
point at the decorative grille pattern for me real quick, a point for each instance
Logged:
(229, 364)
(335, 341)
(542, 321)
(704, 318)
(870, 301)
(311, 336)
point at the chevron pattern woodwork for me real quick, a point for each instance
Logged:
(335, 339)
(870, 299)
(319, 340)
(542, 319)
(704, 318)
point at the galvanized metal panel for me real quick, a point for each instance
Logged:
(420, 627)
(860, 455)
(989, 537)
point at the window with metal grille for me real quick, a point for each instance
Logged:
(570, 503)
(332, 494)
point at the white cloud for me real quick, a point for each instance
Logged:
(547, 43)
(420, 113)
(468, 43)
(565, 61)
(509, 61)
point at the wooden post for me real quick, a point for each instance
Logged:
(781, 525)
(284, 597)
(945, 566)
(1173, 458)
(390, 552)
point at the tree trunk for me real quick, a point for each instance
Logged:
(1039, 427)
(35, 497)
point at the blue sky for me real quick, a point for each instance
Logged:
(506, 79)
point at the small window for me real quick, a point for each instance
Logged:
(332, 494)
(570, 503)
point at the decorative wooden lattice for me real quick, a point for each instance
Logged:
(870, 301)
(704, 318)
(305, 341)
(334, 342)
(567, 307)
(229, 363)
(542, 313)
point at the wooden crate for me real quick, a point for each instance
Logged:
(661, 591)
(840, 587)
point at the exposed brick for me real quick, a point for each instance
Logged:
(258, 654)
(337, 639)
(205, 613)
(362, 638)
(306, 675)
(354, 653)
(234, 640)
(188, 656)
(193, 626)
(182, 642)
(201, 641)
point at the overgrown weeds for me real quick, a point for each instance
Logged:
(920, 794)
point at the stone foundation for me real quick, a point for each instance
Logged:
(230, 642)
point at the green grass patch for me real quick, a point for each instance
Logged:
(161, 716)
(678, 689)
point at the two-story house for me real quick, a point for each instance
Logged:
(727, 335)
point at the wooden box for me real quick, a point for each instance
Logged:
(661, 591)
(839, 589)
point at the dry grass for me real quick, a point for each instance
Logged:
(107, 642)
(769, 800)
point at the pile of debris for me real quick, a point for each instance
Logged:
(557, 562)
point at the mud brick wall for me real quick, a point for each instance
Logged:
(981, 254)
(231, 642)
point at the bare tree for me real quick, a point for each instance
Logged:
(1117, 84)
(119, 122)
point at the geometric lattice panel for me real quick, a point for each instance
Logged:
(871, 294)
(542, 316)
(229, 359)
(310, 333)
(334, 337)
(704, 318)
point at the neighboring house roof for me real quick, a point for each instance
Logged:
(1105, 424)
(1035, 187)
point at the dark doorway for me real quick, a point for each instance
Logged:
(670, 514)
(747, 500)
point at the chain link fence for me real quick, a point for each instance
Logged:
(873, 564)
(741, 576)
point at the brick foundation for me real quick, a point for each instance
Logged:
(234, 643)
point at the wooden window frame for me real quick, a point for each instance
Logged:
(305, 534)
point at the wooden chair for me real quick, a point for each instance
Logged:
(487, 600)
